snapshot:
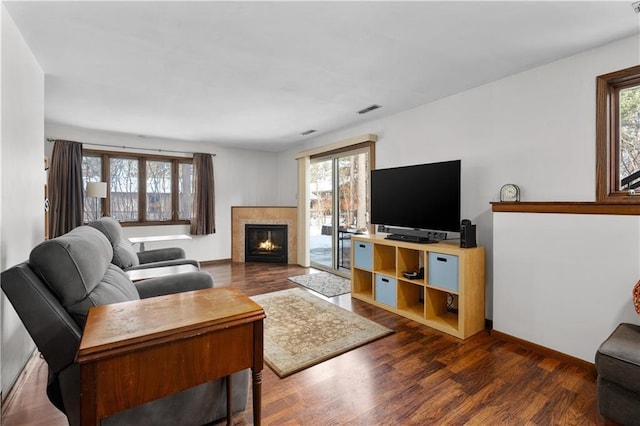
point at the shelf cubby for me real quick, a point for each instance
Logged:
(411, 298)
(361, 283)
(436, 309)
(409, 260)
(384, 259)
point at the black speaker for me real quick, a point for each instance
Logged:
(467, 234)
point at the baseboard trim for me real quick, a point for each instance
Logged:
(215, 262)
(8, 397)
(543, 350)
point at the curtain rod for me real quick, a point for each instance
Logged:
(131, 147)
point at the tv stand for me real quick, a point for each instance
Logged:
(449, 296)
(410, 239)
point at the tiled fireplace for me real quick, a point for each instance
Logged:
(243, 217)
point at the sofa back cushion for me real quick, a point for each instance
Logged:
(77, 268)
(123, 254)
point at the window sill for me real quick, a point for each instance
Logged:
(566, 207)
(159, 223)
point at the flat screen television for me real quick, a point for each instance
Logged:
(425, 196)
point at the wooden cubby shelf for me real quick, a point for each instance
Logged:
(450, 296)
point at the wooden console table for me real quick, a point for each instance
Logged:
(129, 350)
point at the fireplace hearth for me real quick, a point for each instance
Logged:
(265, 243)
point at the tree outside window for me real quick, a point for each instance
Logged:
(629, 140)
(91, 172)
(124, 189)
(185, 191)
(159, 190)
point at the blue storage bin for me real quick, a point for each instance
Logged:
(363, 255)
(443, 271)
(386, 290)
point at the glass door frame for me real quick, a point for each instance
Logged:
(336, 249)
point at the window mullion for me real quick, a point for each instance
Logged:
(106, 177)
(142, 189)
(174, 190)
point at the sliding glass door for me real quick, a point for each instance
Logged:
(339, 207)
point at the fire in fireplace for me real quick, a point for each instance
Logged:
(265, 243)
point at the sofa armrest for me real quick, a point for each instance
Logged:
(171, 284)
(160, 255)
(174, 262)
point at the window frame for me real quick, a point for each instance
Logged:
(142, 184)
(608, 87)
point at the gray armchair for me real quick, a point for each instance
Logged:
(618, 365)
(52, 294)
(125, 257)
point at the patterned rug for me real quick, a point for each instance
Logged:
(324, 283)
(302, 330)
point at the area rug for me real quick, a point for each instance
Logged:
(324, 283)
(302, 330)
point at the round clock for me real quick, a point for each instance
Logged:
(510, 192)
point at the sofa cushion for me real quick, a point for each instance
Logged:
(77, 268)
(123, 254)
(618, 358)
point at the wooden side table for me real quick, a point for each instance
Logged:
(186, 333)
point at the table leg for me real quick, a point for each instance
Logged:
(257, 397)
(256, 370)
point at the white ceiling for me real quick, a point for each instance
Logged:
(257, 74)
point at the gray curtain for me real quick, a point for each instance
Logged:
(203, 221)
(65, 188)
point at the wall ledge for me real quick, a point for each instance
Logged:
(566, 207)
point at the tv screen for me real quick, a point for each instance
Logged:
(425, 196)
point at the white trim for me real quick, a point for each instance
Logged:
(303, 211)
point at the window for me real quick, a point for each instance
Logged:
(159, 190)
(618, 136)
(142, 189)
(91, 172)
(185, 191)
(123, 193)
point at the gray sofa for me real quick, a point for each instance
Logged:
(618, 366)
(52, 294)
(127, 259)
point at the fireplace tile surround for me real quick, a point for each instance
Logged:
(241, 216)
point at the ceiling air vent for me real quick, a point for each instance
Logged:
(368, 109)
(308, 132)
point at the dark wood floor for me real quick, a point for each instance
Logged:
(415, 376)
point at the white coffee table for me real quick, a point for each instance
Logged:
(156, 238)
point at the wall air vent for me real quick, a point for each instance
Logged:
(369, 109)
(308, 132)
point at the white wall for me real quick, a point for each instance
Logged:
(535, 129)
(22, 179)
(242, 178)
(564, 281)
